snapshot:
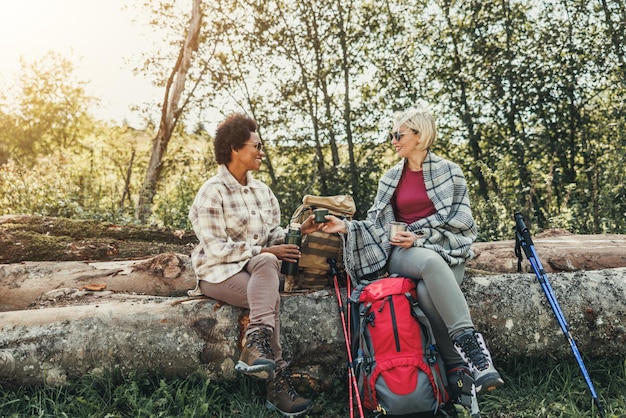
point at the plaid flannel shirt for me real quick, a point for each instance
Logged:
(232, 223)
(450, 231)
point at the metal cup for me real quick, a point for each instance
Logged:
(320, 214)
(395, 227)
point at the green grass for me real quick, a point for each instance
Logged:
(533, 389)
(548, 388)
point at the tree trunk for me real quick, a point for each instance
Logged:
(170, 274)
(181, 335)
(170, 113)
(558, 251)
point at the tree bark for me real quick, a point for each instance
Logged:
(170, 112)
(35, 284)
(180, 335)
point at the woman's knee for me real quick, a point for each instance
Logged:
(416, 262)
(263, 269)
(434, 266)
(433, 259)
(266, 260)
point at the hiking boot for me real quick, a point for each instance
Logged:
(282, 396)
(472, 348)
(256, 357)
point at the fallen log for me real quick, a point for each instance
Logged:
(176, 335)
(179, 335)
(170, 274)
(23, 284)
(44, 238)
(558, 250)
(41, 238)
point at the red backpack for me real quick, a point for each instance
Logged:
(396, 364)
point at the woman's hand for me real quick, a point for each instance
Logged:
(284, 252)
(332, 225)
(404, 239)
(309, 225)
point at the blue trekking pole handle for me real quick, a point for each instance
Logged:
(522, 236)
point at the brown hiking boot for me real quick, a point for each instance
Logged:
(282, 396)
(256, 357)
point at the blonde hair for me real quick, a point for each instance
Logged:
(418, 119)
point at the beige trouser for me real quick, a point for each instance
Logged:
(256, 287)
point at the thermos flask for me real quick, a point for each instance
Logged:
(293, 236)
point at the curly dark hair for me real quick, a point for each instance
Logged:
(231, 134)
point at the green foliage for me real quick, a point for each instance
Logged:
(189, 164)
(47, 110)
(529, 98)
(537, 387)
(60, 186)
(115, 395)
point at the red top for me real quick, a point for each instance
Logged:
(410, 202)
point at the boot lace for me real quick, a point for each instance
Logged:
(472, 349)
(261, 341)
(284, 383)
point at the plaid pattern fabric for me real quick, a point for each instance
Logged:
(232, 223)
(450, 231)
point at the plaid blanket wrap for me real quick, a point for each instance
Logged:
(450, 231)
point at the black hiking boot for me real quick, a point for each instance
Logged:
(462, 390)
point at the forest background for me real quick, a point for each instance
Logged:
(529, 98)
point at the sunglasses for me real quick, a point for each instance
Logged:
(257, 145)
(398, 135)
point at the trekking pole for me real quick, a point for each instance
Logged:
(349, 343)
(524, 241)
(352, 383)
(346, 330)
(349, 339)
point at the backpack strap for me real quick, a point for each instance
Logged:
(417, 312)
(366, 316)
(364, 358)
(432, 359)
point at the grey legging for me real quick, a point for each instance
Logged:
(439, 295)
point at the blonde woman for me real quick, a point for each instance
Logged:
(429, 194)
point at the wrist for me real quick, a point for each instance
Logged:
(418, 236)
(346, 225)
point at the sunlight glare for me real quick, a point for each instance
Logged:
(98, 36)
